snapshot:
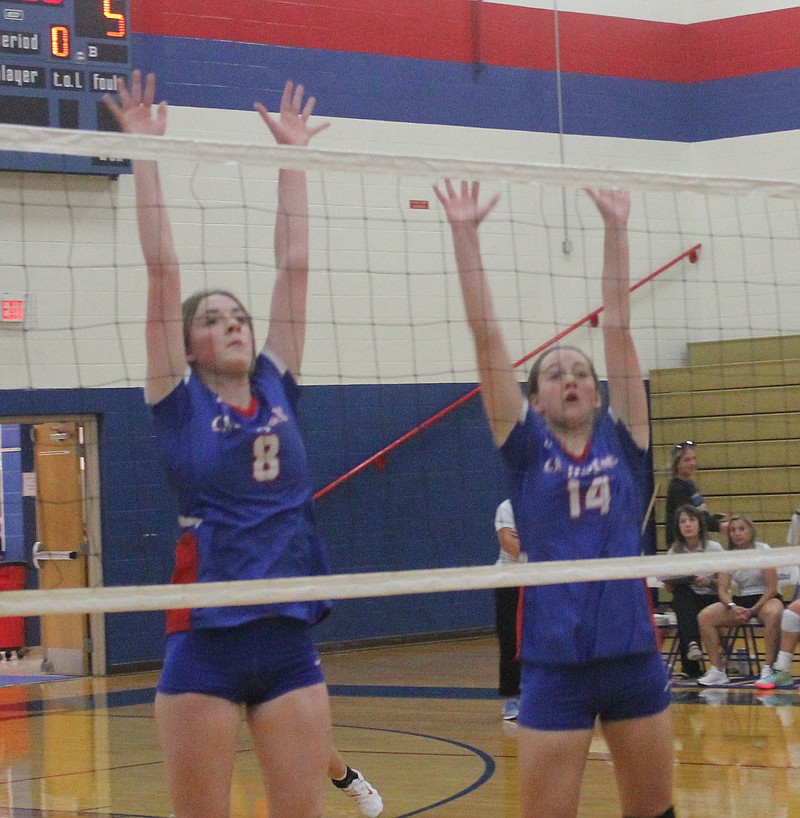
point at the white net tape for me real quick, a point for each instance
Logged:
(391, 583)
(163, 597)
(29, 139)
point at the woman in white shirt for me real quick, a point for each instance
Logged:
(757, 597)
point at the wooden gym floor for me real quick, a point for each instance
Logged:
(421, 722)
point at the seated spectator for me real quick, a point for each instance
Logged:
(682, 490)
(694, 592)
(758, 597)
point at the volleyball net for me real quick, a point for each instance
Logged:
(715, 316)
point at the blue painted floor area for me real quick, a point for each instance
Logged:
(413, 692)
(21, 812)
(11, 681)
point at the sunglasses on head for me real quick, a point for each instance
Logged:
(686, 444)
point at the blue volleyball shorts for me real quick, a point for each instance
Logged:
(247, 664)
(572, 697)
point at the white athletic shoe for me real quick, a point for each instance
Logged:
(365, 795)
(713, 677)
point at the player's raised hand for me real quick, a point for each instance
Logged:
(614, 205)
(134, 110)
(291, 126)
(464, 207)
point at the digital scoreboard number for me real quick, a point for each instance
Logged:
(57, 59)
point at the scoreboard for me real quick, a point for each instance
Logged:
(57, 59)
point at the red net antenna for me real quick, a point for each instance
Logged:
(379, 458)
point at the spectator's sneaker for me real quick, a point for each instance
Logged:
(713, 677)
(365, 795)
(778, 678)
(694, 653)
(510, 709)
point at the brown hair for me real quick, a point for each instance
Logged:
(536, 368)
(690, 511)
(191, 304)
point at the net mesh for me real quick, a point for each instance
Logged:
(716, 317)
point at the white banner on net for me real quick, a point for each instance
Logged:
(392, 583)
(29, 139)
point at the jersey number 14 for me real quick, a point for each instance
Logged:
(597, 497)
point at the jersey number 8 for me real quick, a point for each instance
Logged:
(266, 464)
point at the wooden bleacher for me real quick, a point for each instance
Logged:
(739, 401)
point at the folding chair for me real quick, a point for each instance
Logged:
(749, 654)
(670, 647)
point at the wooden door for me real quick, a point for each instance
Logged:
(61, 528)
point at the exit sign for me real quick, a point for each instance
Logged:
(12, 310)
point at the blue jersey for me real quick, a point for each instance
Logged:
(571, 508)
(244, 493)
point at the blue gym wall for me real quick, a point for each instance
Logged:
(410, 514)
(430, 505)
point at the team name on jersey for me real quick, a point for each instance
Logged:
(598, 465)
(277, 416)
(224, 423)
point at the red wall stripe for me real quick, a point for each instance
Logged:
(753, 44)
(511, 36)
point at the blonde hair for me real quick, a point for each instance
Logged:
(678, 451)
(748, 522)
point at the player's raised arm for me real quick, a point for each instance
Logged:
(626, 391)
(287, 321)
(166, 355)
(502, 398)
